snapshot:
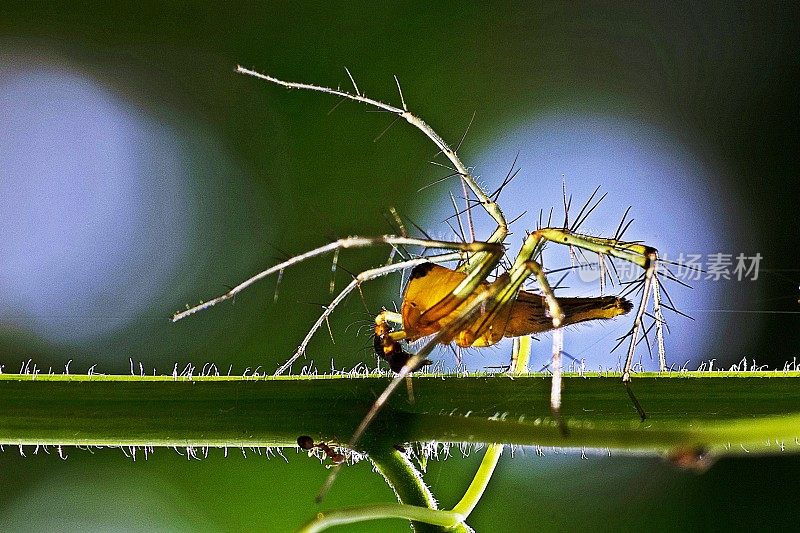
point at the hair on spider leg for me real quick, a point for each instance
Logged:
(438, 181)
(284, 255)
(647, 340)
(437, 164)
(635, 287)
(676, 311)
(663, 322)
(395, 223)
(360, 323)
(516, 218)
(387, 128)
(671, 306)
(400, 91)
(460, 232)
(464, 135)
(340, 102)
(583, 214)
(418, 227)
(352, 80)
(557, 285)
(567, 201)
(620, 228)
(472, 205)
(510, 175)
(667, 273)
(539, 223)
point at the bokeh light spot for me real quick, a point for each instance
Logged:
(91, 195)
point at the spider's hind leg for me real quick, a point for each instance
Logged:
(636, 253)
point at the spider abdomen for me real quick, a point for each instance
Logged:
(431, 285)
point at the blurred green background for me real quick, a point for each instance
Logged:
(139, 173)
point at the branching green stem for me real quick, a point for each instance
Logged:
(407, 484)
(475, 491)
(447, 520)
(717, 413)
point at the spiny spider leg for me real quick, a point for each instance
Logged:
(636, 253)
(489, 205)
(376, 273)
(348, 242)
(662, 352)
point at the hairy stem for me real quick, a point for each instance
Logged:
(723, 412)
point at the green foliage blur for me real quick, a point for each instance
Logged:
(287, 176)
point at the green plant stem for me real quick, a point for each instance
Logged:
(409, 487)
(482, 477)
(406, 482)
(719, 413)
(445, 519)
(723, 412)
(417, 502)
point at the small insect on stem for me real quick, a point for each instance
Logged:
(307, 443)
(695, 459)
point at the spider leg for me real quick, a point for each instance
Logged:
(662, 357)
(348, 242)
(525, 266)
(374, 273)
(636, 253)
(489, 204)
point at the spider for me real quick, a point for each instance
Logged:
(461, 305)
